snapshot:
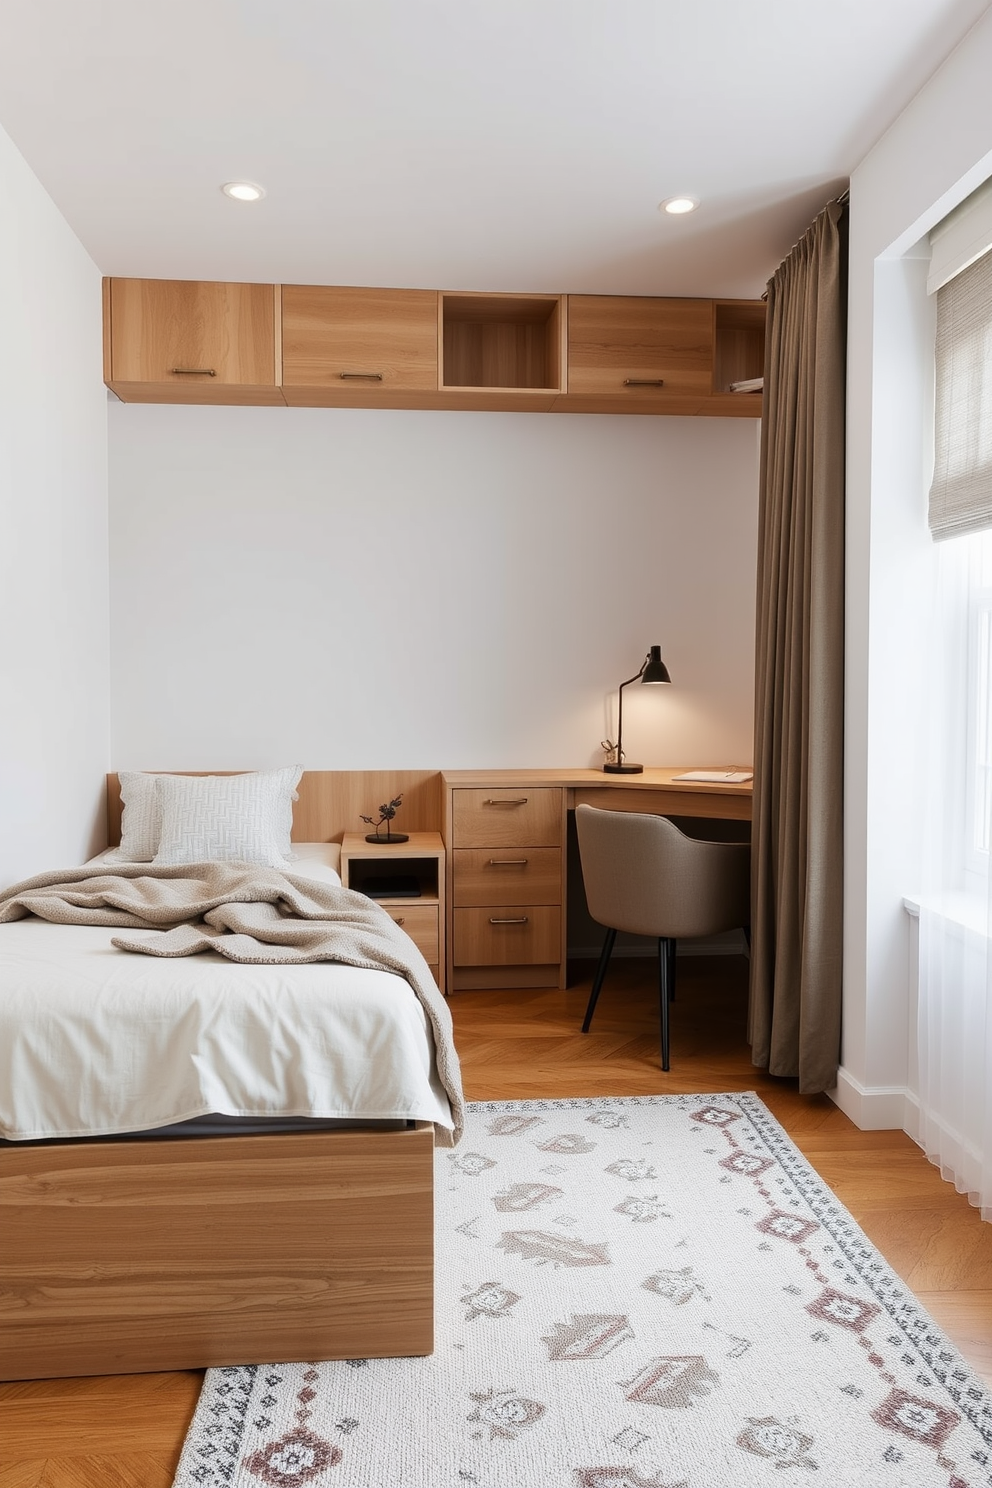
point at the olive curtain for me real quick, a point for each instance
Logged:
(797, 841)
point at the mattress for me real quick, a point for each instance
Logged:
(96, 1042)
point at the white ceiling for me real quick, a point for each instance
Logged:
(458, 144)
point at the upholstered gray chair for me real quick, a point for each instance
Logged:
(644, 876)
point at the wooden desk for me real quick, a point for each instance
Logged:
(505, 833)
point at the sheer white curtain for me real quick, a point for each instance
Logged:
(955, 1016)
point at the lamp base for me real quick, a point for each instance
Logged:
(624, 769)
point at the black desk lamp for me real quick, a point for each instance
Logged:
(653, 669)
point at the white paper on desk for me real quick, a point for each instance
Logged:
(717, 777)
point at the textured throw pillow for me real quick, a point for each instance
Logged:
(141, 818)
(228, 818)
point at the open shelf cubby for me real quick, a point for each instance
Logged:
(501, 341)
(739, 344)
(398, 877)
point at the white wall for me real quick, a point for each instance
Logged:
(361, 589)
(935, 154)
(54, 684)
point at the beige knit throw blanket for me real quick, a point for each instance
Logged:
(256, 915)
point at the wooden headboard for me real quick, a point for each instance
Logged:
(332, 801)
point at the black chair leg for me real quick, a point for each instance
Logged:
(604, 961)
(666, 948)
(671, 944)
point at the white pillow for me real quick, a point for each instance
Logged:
(141, 820)
(228, 818)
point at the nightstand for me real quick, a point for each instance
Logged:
(407, 879)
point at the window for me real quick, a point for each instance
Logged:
(978, 837)
(960, 508)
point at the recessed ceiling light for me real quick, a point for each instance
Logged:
(678, 204)
(243, 190)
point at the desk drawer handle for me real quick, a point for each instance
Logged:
(362, 376)
(644, 382)
(520, 920)
(193, 372)
(399, 920)
(507, 863)
(518, 801)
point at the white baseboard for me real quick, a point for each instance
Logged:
(878, 1108)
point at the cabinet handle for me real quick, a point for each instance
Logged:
(362, 376)
(644, 382)
(399, 920)
(194, 372)
(521, 920)
(507, 863)
(519, 801)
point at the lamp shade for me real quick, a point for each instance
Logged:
(654, 669)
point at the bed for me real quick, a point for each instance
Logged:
(142, 1226)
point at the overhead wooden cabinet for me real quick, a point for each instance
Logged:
(327, 346)
(359, 348)
(191, 341)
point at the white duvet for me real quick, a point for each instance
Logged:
(94, 1041)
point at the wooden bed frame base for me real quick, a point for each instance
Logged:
(129, 1256)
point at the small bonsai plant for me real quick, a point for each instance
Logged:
(386, 814)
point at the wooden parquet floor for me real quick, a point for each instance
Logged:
(126, 1431)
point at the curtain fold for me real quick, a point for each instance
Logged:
(797, 841)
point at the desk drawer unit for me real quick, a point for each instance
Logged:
(507, 855)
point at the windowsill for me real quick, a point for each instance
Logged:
(968, 911)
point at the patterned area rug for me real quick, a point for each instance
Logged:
(646, 1292)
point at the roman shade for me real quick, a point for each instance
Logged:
(961, 492)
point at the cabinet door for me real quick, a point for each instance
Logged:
(188, 341)
(359, 347)
(647, 354)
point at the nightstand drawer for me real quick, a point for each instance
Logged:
(508, 935)
(420, 923)
(531, 817)
(486, 875)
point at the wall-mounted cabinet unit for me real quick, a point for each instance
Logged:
(187, 341)
(501, 351)
(173, 341)
(359, 348)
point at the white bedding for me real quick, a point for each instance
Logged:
(94, 1041)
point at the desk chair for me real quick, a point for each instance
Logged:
(643, 875)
